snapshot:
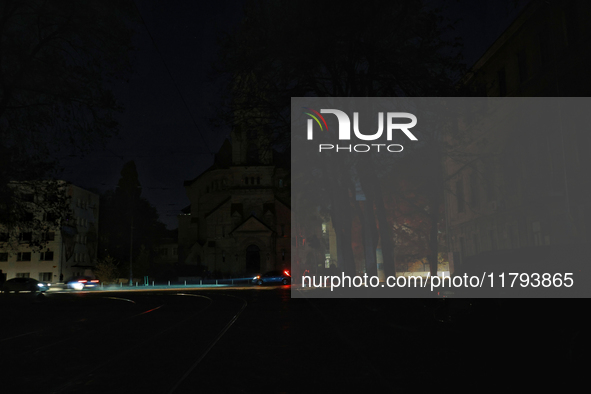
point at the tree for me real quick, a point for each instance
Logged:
(57, 61)
(106, 270)
(286, 50)
(129, 223)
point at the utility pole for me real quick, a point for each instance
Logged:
(131, 251)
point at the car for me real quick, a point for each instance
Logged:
(82, 283)
(25, 284)
(273, 277)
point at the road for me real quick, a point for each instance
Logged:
(259, 339)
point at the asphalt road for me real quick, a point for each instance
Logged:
(259, 339)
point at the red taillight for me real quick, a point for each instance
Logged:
(82, 281)
(287, 273)
(94, 281)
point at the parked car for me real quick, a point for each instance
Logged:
(82, 283)
(25, 284)
(273, 277)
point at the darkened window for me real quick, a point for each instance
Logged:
(211, 244)
(476, 241)
(4, 237)
(460, 196)
(502, 77)
(29, 197)
(474, 190)
(24, 256)
(51, 217)
(45, 276)
(22, 274)
(572, 23)
(3, 256)
(493, 240)
(26, 236)
(46, 256)
(246, 181)
(544, 37)
(252, 180)
(223, 257)
(258, 180)
(522, 62)
(50, 236)
(252, 155)
(283, 230)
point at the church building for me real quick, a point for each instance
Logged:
(238, 222)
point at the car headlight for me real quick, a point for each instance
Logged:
(40, 284)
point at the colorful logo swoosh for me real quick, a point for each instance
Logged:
(315, 118)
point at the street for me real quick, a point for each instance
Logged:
(258, 339)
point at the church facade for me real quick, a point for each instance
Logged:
(238, 222)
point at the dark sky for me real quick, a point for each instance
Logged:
(156, 127)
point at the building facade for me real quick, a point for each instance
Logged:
(528, 188)
(238, 222)
(69, 244)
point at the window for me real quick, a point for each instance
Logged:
(4, 237)
(25, 236)
(572, 23)
(46, 256)
(3, 256)
(252, 180)
(175, 251)
(164, 252)
(544, 37)
(283, 230)
(493, 240)
(537, 233)
(280, 182)
(22, 274)
(522, 62)
(45, 276)
(29, 197)
(327, 260)
(502, 77)
(460, 196)
(258, 180)
(48, 236)
(474, 190)
(246, 180)
(223, 257)
(23, 256)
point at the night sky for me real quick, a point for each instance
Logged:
(157, 130)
